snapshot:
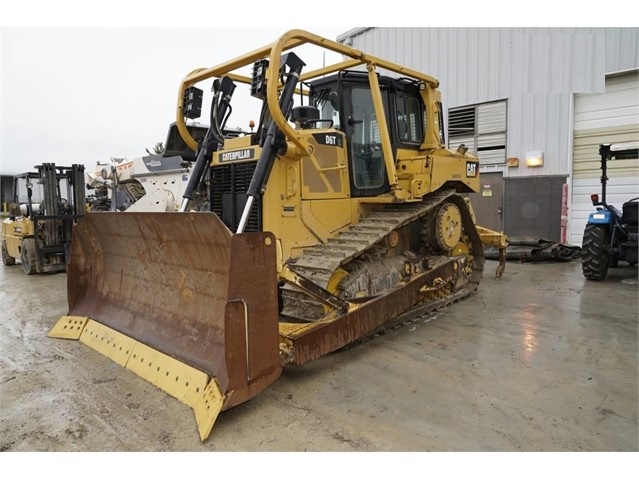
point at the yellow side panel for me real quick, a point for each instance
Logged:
(68, 327)
(453, 168)
(332, 215)
(325, 171)
(181, 381)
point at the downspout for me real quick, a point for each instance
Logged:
(566, 217)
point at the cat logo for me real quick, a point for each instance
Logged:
(472, 169)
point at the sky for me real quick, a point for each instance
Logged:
(82, 82)
(83, 95)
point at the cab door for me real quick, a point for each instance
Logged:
(368, 172)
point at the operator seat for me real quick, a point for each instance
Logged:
(629, 213)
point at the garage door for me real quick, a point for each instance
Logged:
(610, 117)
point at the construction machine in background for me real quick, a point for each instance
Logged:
(148, 183)
(341, 212)
(610, 235)
(38, 231)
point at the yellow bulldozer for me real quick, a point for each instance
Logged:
(340, 212)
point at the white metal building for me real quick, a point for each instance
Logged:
(549, 95)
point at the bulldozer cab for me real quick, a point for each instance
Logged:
(346, 100)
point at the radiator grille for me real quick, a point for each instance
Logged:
(229, 184)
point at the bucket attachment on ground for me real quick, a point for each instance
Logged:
(179, 300)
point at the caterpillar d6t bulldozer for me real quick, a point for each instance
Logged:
(340, 212)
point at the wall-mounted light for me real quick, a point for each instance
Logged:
(514, 161)
(535, 158)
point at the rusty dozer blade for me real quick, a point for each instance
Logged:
(179, 300)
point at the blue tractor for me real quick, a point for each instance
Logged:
(610, 235)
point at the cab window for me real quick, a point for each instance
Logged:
(366, 152)
(409, 126)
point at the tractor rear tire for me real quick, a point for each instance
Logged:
(28, 256)
(595, 256)
(6, 259)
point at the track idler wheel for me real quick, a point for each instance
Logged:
(446, 227)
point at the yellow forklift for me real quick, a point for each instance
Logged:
(46, 204)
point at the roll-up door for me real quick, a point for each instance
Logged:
(609, 117)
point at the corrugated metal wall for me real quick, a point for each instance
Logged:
(536, 69)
